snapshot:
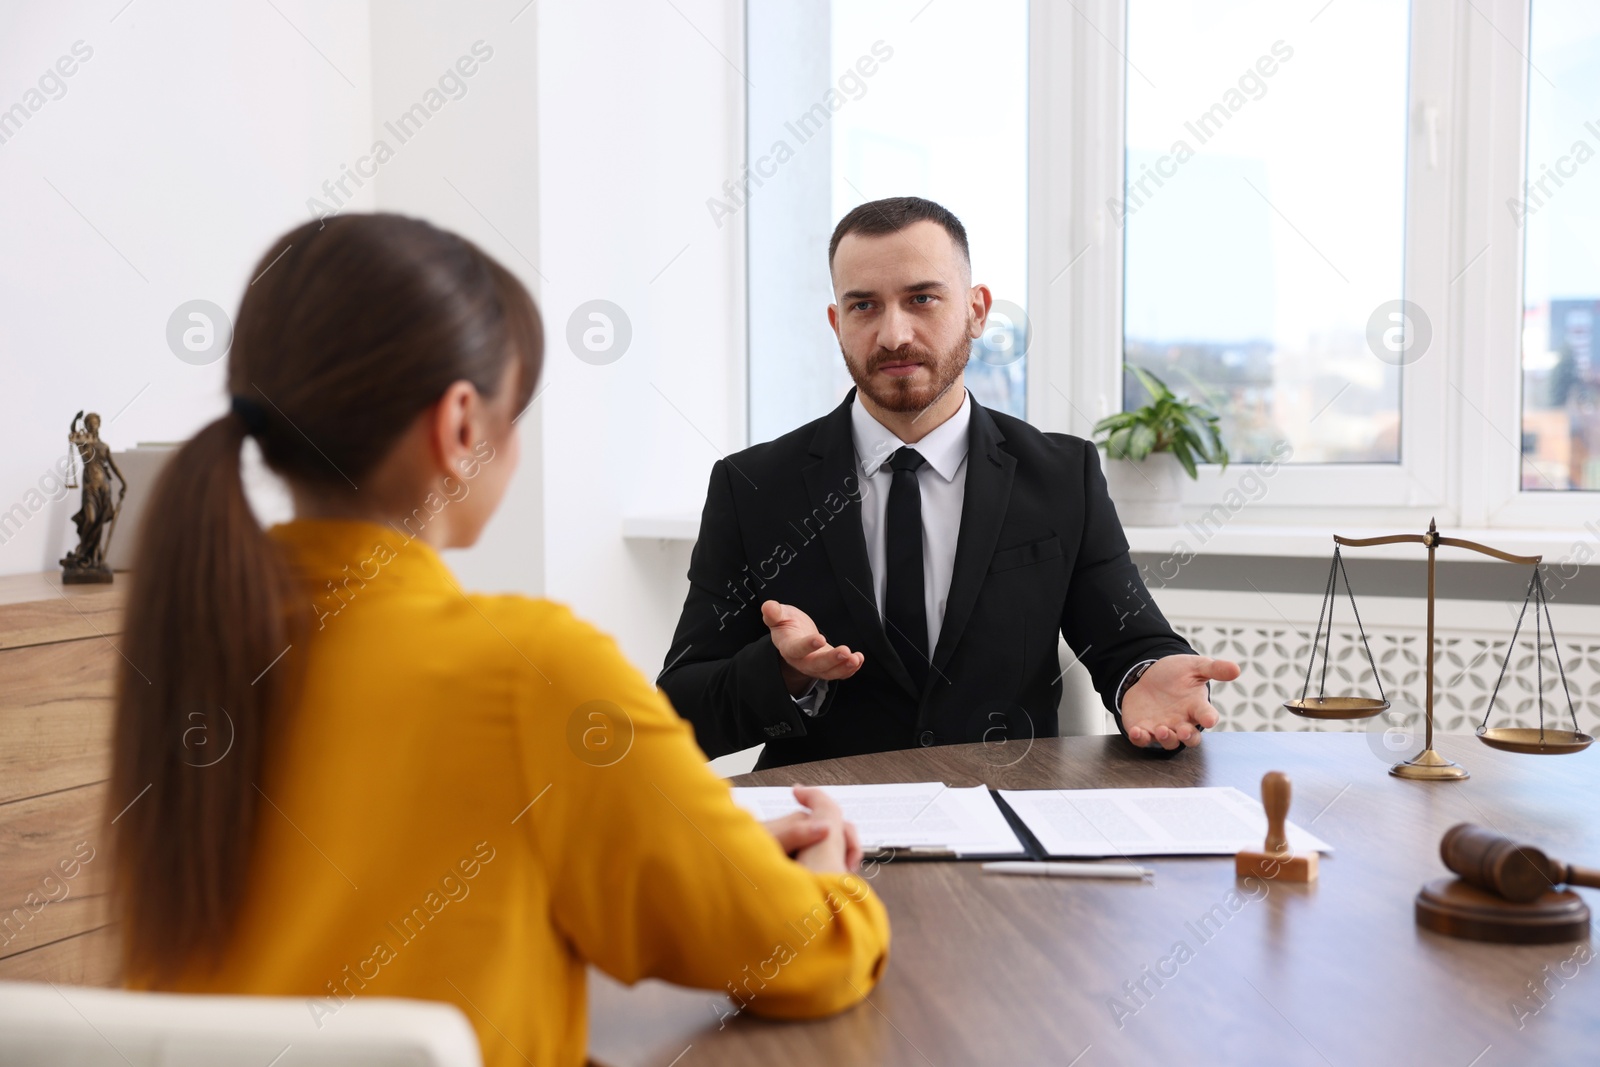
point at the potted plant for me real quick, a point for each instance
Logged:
(1151, 447)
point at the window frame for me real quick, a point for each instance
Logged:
(1466, 151)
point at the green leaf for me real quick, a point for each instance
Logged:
(1142, 442)
(1219, 452)
(1117, 443)
(1154, 386)
(1181, 450)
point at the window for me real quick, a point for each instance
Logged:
(1558, 213)
(1352, 227)
(856, 101)
(1263, 219)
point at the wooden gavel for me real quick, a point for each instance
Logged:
(1519, 873)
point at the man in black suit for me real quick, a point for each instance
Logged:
(895, 573)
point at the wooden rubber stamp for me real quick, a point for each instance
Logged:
(1275, 861)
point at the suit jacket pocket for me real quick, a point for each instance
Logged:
(1023, 555)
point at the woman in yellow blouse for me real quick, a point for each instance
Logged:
(337, 775)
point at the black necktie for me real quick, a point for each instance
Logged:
(905, 615)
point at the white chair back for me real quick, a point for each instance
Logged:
(48, 1025)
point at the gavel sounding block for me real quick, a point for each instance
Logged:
(1276, 866)
(1451, 907)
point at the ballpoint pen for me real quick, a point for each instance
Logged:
(1070, 870)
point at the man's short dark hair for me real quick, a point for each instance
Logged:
(879, 218)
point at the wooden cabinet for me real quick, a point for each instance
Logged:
(58, 658)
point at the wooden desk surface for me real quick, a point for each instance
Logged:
(987, 969)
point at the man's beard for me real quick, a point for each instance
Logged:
(903, 395)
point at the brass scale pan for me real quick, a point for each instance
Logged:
(1336, 707)
(1531, 739)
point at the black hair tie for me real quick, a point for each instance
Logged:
(251, 414)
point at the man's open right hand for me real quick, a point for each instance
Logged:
(807, 656)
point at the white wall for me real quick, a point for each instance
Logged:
(187, 141)
(639, 122)
(581, 155)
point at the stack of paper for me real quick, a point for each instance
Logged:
(1197, 821)
(927, 816)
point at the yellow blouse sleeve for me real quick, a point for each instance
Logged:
(655, 871)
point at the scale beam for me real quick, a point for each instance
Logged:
(1438, 539)
(1388, 539)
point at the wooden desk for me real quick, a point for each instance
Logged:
(987, 969)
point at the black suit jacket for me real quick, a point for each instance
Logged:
(1039, 551)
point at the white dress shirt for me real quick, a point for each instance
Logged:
(942, 482)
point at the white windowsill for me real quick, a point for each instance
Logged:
(661, 527)
(1240, 539)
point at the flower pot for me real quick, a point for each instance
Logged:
(1148, 492)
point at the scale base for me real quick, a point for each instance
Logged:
(1429, 766)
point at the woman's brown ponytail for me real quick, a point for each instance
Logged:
(207, 613)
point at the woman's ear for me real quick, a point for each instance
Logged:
(457, 424)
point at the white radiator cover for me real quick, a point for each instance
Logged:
(1270, 634)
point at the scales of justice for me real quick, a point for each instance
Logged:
(1429, 765)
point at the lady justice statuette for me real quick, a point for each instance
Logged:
(96, 519)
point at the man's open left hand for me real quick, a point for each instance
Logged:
(1168, 703)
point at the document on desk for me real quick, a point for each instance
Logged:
(1197, 821)
(917, 817)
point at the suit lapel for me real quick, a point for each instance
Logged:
(983, 512)
(832, 472)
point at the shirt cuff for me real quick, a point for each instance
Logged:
(1124, 685)
(810, 702)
